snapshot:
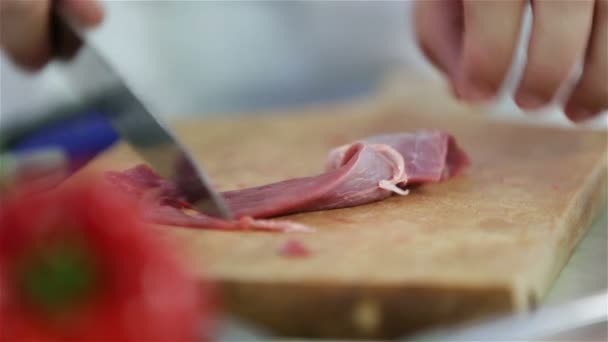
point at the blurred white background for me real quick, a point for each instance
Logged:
(190, 58)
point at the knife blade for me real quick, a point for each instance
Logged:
(96, 84)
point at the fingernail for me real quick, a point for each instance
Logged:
(577, 113)
(530, 101)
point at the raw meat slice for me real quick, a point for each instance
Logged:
(429, 156)
(366, 171)
(354, 182)
(158, 203)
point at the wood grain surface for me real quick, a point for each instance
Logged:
(488, 242)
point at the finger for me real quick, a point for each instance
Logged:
(439, 26)
(559, 35)
(590, 96)
(86, 13)
(24, 31)
(491, 32)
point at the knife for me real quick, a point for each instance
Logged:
(96, 84)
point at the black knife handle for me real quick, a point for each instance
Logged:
(64, 41)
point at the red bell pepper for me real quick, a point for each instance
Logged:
(77, 264)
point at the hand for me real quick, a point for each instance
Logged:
(473, 43)
(25, 33)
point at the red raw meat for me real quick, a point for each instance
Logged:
(363, 172)
(429, 156)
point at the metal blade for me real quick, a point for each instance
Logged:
(97, 85)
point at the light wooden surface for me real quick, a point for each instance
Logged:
(488, 242)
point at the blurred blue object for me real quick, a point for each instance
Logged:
(81, 138)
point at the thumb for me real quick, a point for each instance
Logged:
(85, 13)
(24, 33)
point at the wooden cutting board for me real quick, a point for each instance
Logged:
(488, 242)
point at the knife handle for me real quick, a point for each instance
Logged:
(64, 41)
(81, 138)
